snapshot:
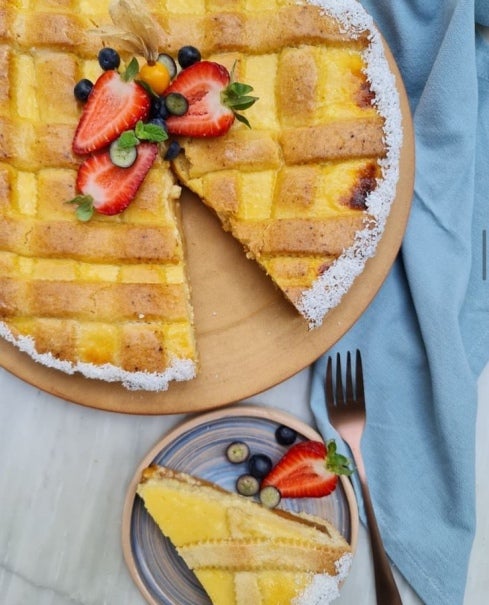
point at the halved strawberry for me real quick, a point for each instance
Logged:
(115, 104)
(213, 100)
(107, 188)
(309, 469)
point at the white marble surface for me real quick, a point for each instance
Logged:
(64, 471)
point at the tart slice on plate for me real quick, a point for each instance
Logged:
(241, 551)
(191, 537)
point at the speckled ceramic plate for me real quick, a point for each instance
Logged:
(197, 447)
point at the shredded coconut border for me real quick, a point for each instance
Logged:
(178, 370)
(325, 588)
(328, 290)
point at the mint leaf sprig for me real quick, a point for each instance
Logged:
(131, 70)
(142, 132)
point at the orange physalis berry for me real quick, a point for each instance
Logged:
(156, 76)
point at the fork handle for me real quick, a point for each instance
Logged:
(385, 585)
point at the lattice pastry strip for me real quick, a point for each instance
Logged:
(255, 554)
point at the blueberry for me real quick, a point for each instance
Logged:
(159, 122)
(188, 55)
(285, 435)
(158, 108)
(259, 465)
(172, 151)
(108, 58)
(82, 89)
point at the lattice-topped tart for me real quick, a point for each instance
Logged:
(305, 186)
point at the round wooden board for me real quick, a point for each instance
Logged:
(249, 337)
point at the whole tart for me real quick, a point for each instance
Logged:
(306, 190)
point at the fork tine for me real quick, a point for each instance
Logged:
(360, 391)
(339, 382)
(350, 394)
(328, 384)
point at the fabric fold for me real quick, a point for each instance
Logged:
(425, 337)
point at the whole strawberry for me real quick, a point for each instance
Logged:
(309, 469)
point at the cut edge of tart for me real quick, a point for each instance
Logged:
(312, 254)
(240, 551)
(142, 335)
(38, 233)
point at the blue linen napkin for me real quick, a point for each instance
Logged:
(425, 337)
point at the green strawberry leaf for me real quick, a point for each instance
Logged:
(238, 89)
(335, 462)
(241, 102)
(84, 203)
(236, 97)
(242, 119)
(236, 94)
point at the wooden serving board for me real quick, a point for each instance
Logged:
(249, 337)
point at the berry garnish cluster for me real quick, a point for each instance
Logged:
(129, 115)
(307, 469)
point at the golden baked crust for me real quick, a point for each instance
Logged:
(109, 298)
(308, 186)
(294, 188)
(235, 545)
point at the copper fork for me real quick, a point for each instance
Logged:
(347, 414)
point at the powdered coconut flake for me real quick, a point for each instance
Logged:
(325, 588)
(328, 290)
(178, 369)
